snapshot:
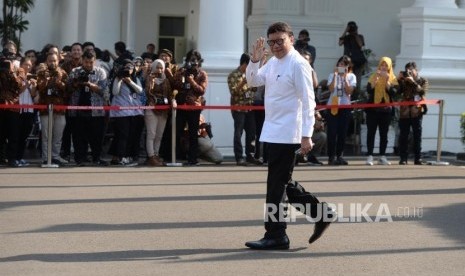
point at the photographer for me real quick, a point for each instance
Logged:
(353, 43)
(10, 83)
(412, 87)
(88, 86)
(126, 90)
(191, 82)
(170, 70)
(342, 83)
(244, 120)
(51, 86)
(74, 60)
(301, 44)
(10, 52)
(159, 93)
(28, 91)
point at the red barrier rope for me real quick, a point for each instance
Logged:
(213, 107)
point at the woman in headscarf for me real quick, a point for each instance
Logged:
(159, 94)
(381, 87)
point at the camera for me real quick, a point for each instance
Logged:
(300, 44)
(161, 101)
(208, 129)
(351, 27)
(5, 65)
(31, 77)
(8, 55)
(341, 70)
(123, 73)
(406, 74)
(83, 75)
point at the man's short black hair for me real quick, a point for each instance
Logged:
(410, 65)
(88, 54)
(89, 43)
(279, 27)
(72, 45)
(245, 58)
(120, 46)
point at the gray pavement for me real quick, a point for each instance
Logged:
(195, 220)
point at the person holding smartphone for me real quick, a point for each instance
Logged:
(342, 83)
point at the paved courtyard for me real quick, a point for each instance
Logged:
(195, 220)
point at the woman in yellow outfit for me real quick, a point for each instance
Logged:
(381, 87)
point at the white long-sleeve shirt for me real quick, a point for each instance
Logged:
(289, 98)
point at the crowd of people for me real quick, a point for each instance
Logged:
(84, 75)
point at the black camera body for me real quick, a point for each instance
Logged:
(406, 74)
(8, 55)
(83, 75)
(123, 73)
(300, 44)
(208, 129)
(5, 65)
(31, 77)
(161, 101)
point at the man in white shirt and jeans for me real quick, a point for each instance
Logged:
(289, 119)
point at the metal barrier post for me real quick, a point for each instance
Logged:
(173, 140)
(49, 139)
(438, 161)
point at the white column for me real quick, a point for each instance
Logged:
(221, 32)
(128, 23)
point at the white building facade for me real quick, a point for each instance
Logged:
(430, 32)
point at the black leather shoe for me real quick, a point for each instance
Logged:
(312, 160)
(320, 228)
(418, 162)
(269, 244)
(403, 162)
(253, 161)
(341, 161)
(323, 224)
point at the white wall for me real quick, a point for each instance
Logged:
(147, 19)
(62, 22)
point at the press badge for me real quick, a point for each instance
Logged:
(49, 92)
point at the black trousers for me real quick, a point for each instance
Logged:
(374, 120)
(191, 117)
(259, 120)
(404, 126)
(121, 129)
(337, 126)
(10, 128)
(26, 121)
(135, 134)
(86, 131)
(281, 160)
(243, 121)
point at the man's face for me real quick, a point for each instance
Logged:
(303, 37)
(52, 61)
(89, 48)
(165, 57)
(280, 44)
(76, 52)
(88, 64)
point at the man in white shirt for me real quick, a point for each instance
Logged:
(289, 119)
